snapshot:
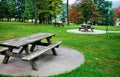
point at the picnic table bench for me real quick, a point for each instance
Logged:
(85, 27)
(23, 43)
(3, 50)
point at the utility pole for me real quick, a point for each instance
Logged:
(68, 23)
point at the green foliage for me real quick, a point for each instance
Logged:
(63, 14)
(89, 11)
(20, 9)
(86, 11)
(29, 10)
(12, 8)
(95, 11)
(48, 9)
(3, 9)
(106, 13)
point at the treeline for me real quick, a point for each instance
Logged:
(23, 10)
(93, 11)
(17, 9)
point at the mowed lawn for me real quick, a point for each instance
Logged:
(101, 51)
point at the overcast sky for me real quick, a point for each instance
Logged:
(70, 1)
(113, 0)
(116, 3)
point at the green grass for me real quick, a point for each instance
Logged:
(102, 51)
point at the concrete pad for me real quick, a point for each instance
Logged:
(48, 64)
(90, 32)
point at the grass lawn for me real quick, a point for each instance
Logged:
(102, 51)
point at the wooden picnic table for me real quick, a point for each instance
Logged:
(85, 27)
(58, 24)
(23, 43)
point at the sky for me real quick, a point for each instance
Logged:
(70, 1)
(116, 3)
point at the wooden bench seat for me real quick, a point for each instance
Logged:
(31, 57)
(2, 51)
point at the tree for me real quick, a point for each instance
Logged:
(89, 11)
(3, 9)
(48, 9)
(11, 9)
(20, 7)
(104, 8)
(28, 12)
(84, 12)
(24, 9)
(111, 17)
(63, 15)
(117, 13)
(55, 8)
(42, 7)
(74, 15)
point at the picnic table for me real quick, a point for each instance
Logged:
(23, 43)
(58, 24)
(85, 27)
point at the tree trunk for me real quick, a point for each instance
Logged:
(68, 23)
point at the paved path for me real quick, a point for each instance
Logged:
(90, 32)
(66, 60)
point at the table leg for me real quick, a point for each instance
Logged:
(33, 64)
(6, 58)
(48, 40)
(54, 51)
(91, 29)
(26, 49)
(20, 52)
(86, 29)
(32, 48)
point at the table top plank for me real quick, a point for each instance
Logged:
(17, 42)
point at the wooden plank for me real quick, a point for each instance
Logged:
(3, 49)
(6, 57)
(54, 51)
(16, 43)
(34, 65)
(36, 54)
